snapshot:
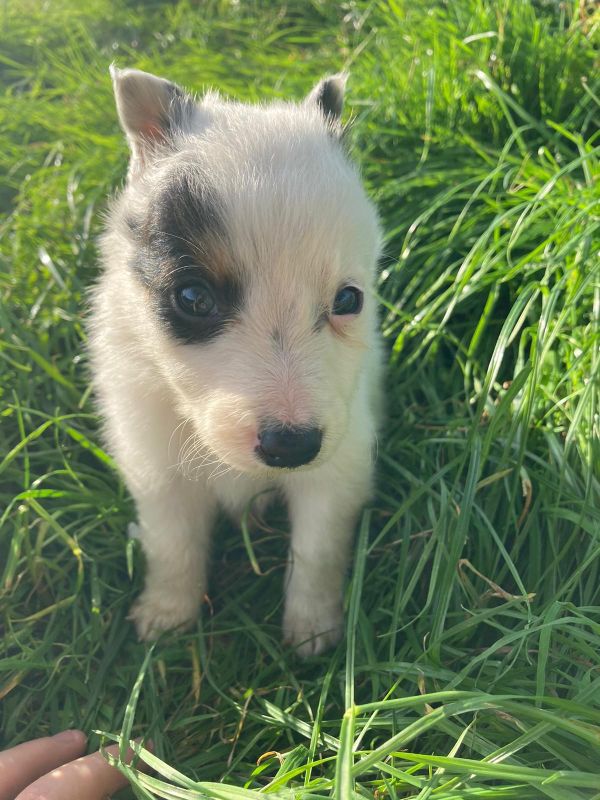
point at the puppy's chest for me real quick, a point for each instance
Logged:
(235, 490)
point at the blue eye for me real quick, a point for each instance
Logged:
(197, 300)
(349, 300)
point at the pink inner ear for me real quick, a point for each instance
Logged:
(152, 132)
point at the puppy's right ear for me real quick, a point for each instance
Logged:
(151, 111)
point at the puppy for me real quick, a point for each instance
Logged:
(233, 339)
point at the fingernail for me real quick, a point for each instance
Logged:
(72, 735)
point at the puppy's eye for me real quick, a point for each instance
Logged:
(348, 300)
(196, 300)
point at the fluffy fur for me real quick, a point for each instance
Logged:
(262, 205)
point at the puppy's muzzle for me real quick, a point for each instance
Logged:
(287, 446)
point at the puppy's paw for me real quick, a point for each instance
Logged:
(312, 626)
(157, 611)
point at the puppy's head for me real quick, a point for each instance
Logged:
(253, 247)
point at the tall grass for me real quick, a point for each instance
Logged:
(470, 665)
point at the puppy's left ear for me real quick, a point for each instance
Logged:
(328, 95)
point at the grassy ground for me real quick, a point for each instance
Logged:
(471, 664)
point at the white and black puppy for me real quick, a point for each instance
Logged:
(233, 339)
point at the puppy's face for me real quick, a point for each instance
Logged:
(253, 248)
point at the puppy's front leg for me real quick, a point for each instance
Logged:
(174, 528)
(323, 515)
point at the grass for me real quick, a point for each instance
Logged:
(471, 667)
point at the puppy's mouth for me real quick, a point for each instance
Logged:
(288, 447)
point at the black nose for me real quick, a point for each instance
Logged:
(288, 447)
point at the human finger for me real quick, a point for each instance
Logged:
(87, 778)
(21, 765)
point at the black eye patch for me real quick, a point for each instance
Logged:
(182, 260)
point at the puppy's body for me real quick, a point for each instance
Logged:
(234, 339)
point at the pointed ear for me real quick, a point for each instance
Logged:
(328, 95)
(151, 110)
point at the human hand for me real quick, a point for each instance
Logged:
(54, 768)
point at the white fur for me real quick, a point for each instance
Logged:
(181, 419)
